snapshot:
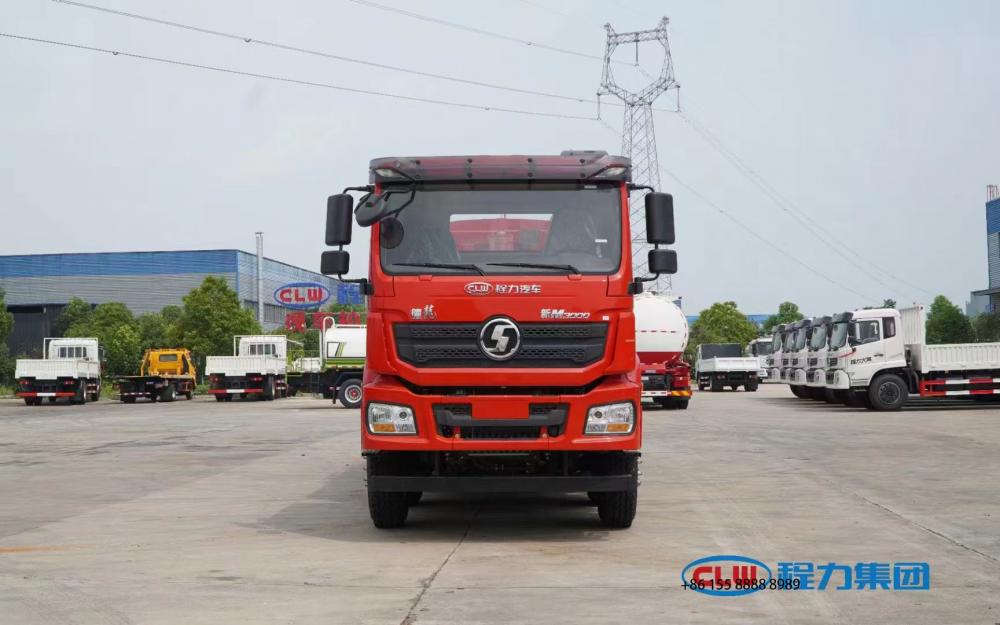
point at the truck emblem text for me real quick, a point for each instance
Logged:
(302, 295)
(500, 338)
(559, 313)
(485, 288)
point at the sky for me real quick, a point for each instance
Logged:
(872, 125)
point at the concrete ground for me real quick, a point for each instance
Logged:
(199, 512)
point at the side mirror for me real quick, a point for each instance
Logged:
(662, 261)
(339, 214)
(660, 218)
(335, 263)
(370, 209)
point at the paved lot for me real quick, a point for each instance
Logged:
(198, 512)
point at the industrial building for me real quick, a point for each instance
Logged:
(988, 299)
(38, 286)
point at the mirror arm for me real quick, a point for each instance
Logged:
(368, 188)
(632, 186)
(366, 286)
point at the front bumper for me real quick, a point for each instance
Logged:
(838, 379)
(774, 376)
(502, 483)
(436, 433)
(799, 377)
(816, 377)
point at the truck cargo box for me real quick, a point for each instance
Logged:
(53, 369)
(711, 365)
(241, 365)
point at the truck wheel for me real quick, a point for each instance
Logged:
(617, 508)
(887, 392)
(716, 386)
(96, 395)
(189, 395)
(701, 386)
(32, 401)
(664, 402)
(220, 398)
(751, 387)
(830, 396)
(269, 389)
(349, 394)
(169, 393)
(388, 510)
(413, 497)
(681, 404)
(81, 395)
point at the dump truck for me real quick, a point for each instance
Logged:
(719, 365)
(163, 375)
(337, 372)
(504, 361)
(879, 357)
(257, 369)
(70, 368)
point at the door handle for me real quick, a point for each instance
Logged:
(877, 355)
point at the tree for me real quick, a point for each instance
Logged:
(722, 322)
(123, 349)
(152, 329)
(947, 324)
(103, 321)
(787, 313)
(888, 303)
(987, 327)
(171, 314)
(209, 319)
(75, 312)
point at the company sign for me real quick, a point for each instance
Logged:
(302, 295)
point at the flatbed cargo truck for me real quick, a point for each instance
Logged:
(880, 357)
(257, 369)
(719, 365)
(163, 375)
(70, 368)
(505, 361)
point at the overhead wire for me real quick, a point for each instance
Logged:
(297, 81)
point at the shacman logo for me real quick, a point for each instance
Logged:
(500, 338)
(478, 288)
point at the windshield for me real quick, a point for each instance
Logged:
(492, 228)
(789, 341)
(838, 336)
(800, 338)
(776, 342)
(761, 348)
(818, 340)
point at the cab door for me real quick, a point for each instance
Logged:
(869, 355)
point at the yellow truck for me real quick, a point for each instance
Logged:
(163, 375)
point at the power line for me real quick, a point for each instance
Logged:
(786, 205)
(479, 31)
(285, 79)
(764, 239)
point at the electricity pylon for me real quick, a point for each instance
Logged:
(638, 136)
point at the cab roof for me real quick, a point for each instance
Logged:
(594, 165)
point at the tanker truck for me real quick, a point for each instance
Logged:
(661, 334)
(337, 372)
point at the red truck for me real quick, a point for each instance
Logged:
(509, 365)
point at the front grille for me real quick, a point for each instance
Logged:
(784, 362)
(506, 433)
(829, 377)
(542, 345)
(813, 362)
(832, 362)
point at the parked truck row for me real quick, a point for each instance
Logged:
(879, 358)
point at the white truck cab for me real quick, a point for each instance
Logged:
(774, 359)
(761, 350)
(257, 368)
(816, 356)
(787, 348)
(70, 368)
(862, 344)
(797, 377)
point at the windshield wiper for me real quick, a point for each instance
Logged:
(537, 266)
(469, 267)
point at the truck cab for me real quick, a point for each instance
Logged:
(816, 356)
(788, 351)
(69, 368)
(501, 339)
(761, 349)
(863, 343)
(774, 359)
(798, 377)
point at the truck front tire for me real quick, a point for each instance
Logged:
(168, 394)
(887, 392)
(617, 508)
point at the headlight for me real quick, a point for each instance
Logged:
(611, 419)
(390, 419)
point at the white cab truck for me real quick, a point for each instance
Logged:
(761, 350)
(721, 364)
(777, 349)
(787, 349)
(816, 357)
(70, 368)
(257, 368)
(798, 358)
(338, 371)
(880, 357)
